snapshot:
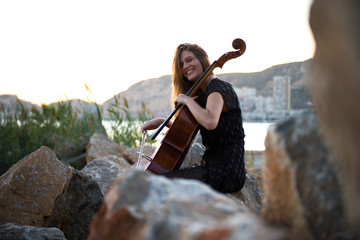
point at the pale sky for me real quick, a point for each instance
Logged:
(50, 49)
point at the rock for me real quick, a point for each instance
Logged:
(334, 85)
(100, 146)
(119, 161)
(194, 156)
(146, 206)
(11, 231)
(106, 170)
(82, 200)
(77, 162)
(31, 187)
(132, 154)
(257, 172)
(301, 188)
(250, 195)
(42, 191)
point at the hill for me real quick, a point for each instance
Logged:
(8, 103)
(156, 92)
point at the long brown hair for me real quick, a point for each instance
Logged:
(181, 84)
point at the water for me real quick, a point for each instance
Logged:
(255, 133)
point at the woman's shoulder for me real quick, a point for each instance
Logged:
(216, 81)
(226, 90)
(217, 84)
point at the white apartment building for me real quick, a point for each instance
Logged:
(281, 92)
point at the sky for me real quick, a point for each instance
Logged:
(51, 50)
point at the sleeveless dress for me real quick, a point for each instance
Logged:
(224, 168)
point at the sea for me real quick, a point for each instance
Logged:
(255, 133)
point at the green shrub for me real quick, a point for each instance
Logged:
(125, 128)
(249, 161)
(57, 126)
(63, 129)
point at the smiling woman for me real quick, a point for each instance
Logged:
(216, 110)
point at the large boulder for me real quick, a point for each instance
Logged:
(250, 195)
(145, 206)
(106, 170)
(335, 87)
(42, 191)
(100, 146)
(82, 200)
(30, 189)
(301, 187)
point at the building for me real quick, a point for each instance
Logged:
(247, 98)
(281, 92)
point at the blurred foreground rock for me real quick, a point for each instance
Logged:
(145, 206)
(301, 188)
(335, 88)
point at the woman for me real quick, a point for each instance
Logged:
(217, 110)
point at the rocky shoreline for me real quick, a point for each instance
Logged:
(109, 198)
(41, 191)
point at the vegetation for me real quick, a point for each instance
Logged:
(125, 128)
(63, 129)
(249, 160)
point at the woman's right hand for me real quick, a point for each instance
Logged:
(152, 124)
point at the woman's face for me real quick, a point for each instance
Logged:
(190, 65)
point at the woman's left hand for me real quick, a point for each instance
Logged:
(182, 99)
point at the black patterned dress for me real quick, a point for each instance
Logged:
(224, 168)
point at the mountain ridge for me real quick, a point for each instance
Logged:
(156, 92)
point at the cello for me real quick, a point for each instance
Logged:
(177, 140)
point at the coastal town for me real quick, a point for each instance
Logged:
(271, 108)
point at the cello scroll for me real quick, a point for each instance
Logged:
(238, 44)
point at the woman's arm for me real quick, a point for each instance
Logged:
(154, 123)
(207, 117)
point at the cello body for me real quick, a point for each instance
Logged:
(175, 144)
